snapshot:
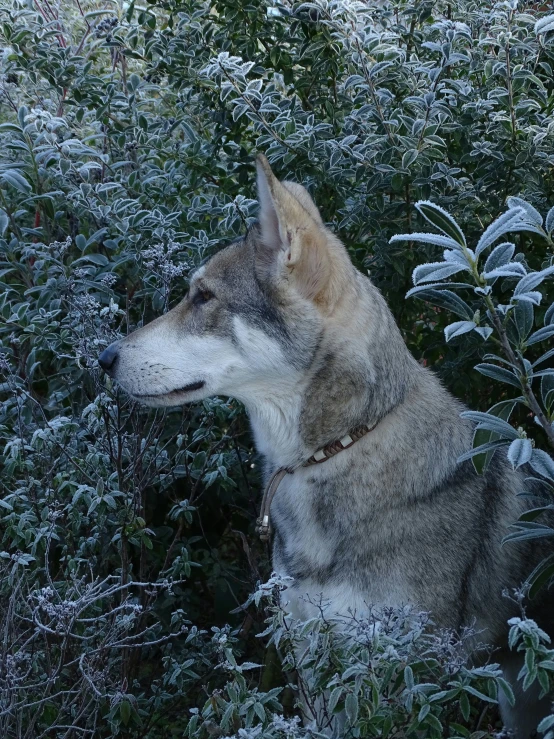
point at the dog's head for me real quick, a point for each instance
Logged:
(255, 312)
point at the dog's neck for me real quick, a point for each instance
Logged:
(293, 420)
(350, 383)
(275, 421)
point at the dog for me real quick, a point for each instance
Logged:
(283, 321)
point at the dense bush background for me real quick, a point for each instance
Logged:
(127, 139)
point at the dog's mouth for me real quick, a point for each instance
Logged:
(191, 387)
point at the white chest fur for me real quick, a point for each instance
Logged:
(325, 541)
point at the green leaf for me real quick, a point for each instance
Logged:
(227, 716)
(506, 223)
(531, 213)
(125, 711)
(458, 328)
(335, 697)
(478, 694)
(351, 708)
(506, 688)
(434, 723)
(100, 259)
(532, 280)
(519, 452)
(15, 179)
(544, 25)
(543, 333)
(424, 710)
(444, 299)
(134, 81)
(542, 463)
(96, 13)
(427, 238)
(523, 315)
(409, 158)
(10, 127)
(549, 221)
(4, 221)
(436, 271)
(491, 422)
(442, 220)
(498, 373)
(499, 256)
(541, 575)
(465, 707)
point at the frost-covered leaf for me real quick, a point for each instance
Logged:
(409, 158)
(523, 316)
(351, 708)
(444, 299)
(512, 269)
(458, 257)
(543, 333)
(336, 695)
(436, 271)
(544, 24)
(541, 575)
(533, 280)
(502, 225)
(519, 452)
(549, 221)
(4, 220)
(440, 287)
(482, 450)
(491, 423)
(531, 213)
(533, 298)
(442, 220)
(458, 328)
(424, 710)
(15, 179)
(499, 256)
(498, 373)
(542, 463)
(426, 238)
(484, 331)
(544, 357)
(547, 723)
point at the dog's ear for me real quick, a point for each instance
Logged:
(293, 236)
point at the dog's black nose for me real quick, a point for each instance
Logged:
(107, 360)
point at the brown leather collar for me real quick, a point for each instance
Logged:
(263, 523)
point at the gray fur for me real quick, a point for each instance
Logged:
(392, 520)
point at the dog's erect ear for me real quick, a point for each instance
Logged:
(292, 232)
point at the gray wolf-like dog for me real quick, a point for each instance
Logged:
(283, 321)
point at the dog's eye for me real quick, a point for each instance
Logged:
(201, 297)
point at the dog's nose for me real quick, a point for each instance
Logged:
(108, 359)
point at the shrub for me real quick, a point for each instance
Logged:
(127, 136)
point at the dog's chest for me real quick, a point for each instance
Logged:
(307, 523)
(330, 537)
